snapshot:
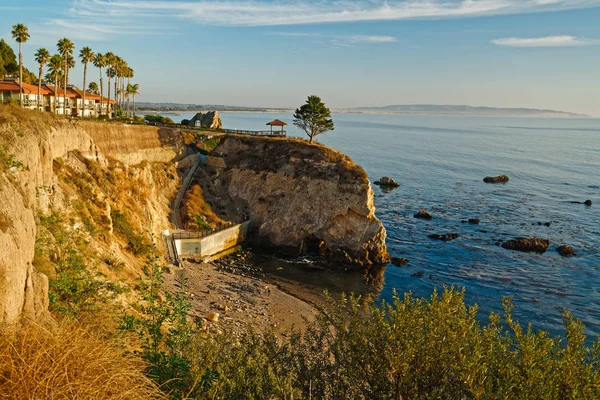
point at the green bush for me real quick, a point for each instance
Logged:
(159, 119)
(165, 334)
(8, 161)
(411, 349)
(74, 289)
(136, 243)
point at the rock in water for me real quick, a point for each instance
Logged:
(302, 198)
(496, 179)
(446, 238)
(208, 120)
(422, 214)
(387, 183)
(474, 221)
(565, 251)
(530, 245)
(399, 262)
(587, 203)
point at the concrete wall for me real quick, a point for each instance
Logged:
(213, 244)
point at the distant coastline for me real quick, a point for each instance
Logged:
(411, 109)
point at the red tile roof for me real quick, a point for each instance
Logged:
(47, 90)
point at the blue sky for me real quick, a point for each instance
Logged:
(503, 53)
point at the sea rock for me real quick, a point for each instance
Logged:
(587, 203)
(474, 221)
(533, 245)
(446, 238)
(565, 251)
(208, 120)
(301, 198)
(387, 182)
(399, 262)
(496, 179)
(422, 214)
(419, 274)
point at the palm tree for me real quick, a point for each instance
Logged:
(65, 48)
(55, 68)
(100, 62)
(133, 90)
(21, 34)
(42, 56)
(93, 88)
(86, 55)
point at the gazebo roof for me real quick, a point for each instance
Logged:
(277, 122)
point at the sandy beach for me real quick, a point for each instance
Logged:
(240, 298)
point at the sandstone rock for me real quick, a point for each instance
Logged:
(23, 290)
(446, 238)
(535, 245)
(565, 251)
(213, 317)
(496, 179)
(208, 120)
(399, 262)
(422, 214)
(301, 198)
(387, 182)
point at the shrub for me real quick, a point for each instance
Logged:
(8, 161)
(411, 349)
(159, 119)
(136, 243)
(69, 362)
(165, 334)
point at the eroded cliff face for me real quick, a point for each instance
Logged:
(37, 141)
(300, 198)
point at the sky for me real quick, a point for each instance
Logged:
(274, 53)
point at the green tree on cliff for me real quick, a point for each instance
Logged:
(313, 117)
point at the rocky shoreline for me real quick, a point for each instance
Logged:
(231, 294)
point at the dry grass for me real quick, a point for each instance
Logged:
(197, 213)
(69, 362)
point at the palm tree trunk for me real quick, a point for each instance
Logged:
(55, 90)
(65, 87)
(20, 74)
(40, 86)
(108, 100)
(101, 91)
(116, 90)
(134, 115)
(84, 87)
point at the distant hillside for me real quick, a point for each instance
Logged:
(143, 106)
(463, 110)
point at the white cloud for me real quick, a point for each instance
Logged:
(372, 39)
(290, 12)
(548, 41)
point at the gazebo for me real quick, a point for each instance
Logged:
(277, 122)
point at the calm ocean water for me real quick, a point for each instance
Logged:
(440, 162)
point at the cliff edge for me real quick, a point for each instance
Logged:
(301, 198)
(80, 169)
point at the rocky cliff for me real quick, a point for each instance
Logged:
(208, 120)
(300, 197)
(30, 145)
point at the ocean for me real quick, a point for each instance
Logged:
(440, 162)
